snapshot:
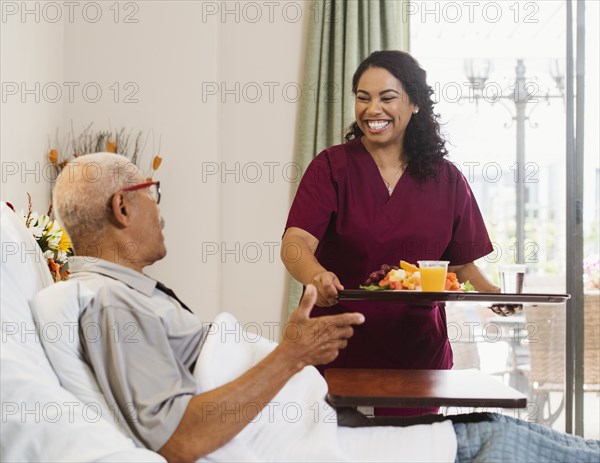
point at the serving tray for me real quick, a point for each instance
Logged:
(450, 296)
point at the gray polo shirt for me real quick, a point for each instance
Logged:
(141, 345)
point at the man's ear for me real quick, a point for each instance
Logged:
(120, 207)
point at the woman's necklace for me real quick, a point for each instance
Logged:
(390, 185)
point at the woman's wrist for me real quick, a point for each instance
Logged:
(315, 275)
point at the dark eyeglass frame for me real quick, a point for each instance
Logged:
(139, 186)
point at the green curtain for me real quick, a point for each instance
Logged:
(340, 35)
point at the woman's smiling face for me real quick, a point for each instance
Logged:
(382, 107)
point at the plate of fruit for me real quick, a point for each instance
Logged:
(407, 277)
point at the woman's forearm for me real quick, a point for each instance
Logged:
(477, 278)
(297, 254)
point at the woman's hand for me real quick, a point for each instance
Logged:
(327, 285)
(481, 284)
(299, 259)
(506, 310)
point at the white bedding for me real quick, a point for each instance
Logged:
(42, 421)
(299, 425)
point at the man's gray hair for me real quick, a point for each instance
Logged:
(81, 196)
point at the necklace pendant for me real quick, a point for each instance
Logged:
(390, 189)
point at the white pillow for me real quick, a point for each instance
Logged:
(56, 311)
(24, 273)
(227, 343)
(287, 428)
(225, 355)
(42, 421)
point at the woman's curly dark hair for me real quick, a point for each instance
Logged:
(424, 146)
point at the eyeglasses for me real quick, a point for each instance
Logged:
(154, 189)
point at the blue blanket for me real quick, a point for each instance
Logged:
(505, 439)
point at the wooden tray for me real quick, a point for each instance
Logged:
(450, 296)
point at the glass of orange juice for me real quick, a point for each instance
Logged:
(433, 274)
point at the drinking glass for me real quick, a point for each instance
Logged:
(433, 274)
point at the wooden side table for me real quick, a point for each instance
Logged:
(418, 388)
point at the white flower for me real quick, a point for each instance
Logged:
(37, 224)
(37, 232)
(61, 257)
(53, 236)
(40, 220)
(50, 237)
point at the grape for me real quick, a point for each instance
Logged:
(378, 275)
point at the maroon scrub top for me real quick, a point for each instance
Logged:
(343, 201)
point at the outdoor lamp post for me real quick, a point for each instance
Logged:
(521, 94)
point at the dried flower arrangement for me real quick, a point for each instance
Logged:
(121, 141)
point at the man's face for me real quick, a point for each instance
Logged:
(148, 242)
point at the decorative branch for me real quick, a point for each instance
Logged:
(88, 141)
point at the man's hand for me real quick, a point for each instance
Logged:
(506, 310)
(327, 285)
(306, 341)
(315, 341)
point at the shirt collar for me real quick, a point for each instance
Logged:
(136, 280)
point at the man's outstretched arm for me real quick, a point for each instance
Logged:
(306, 341)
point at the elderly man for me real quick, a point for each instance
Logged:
(112, 216)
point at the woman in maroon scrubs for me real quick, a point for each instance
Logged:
(386, 194)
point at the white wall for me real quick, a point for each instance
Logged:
(31, 67)
(222, 232)
(263, 60)
(163, 57)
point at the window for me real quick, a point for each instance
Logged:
(498, 72)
